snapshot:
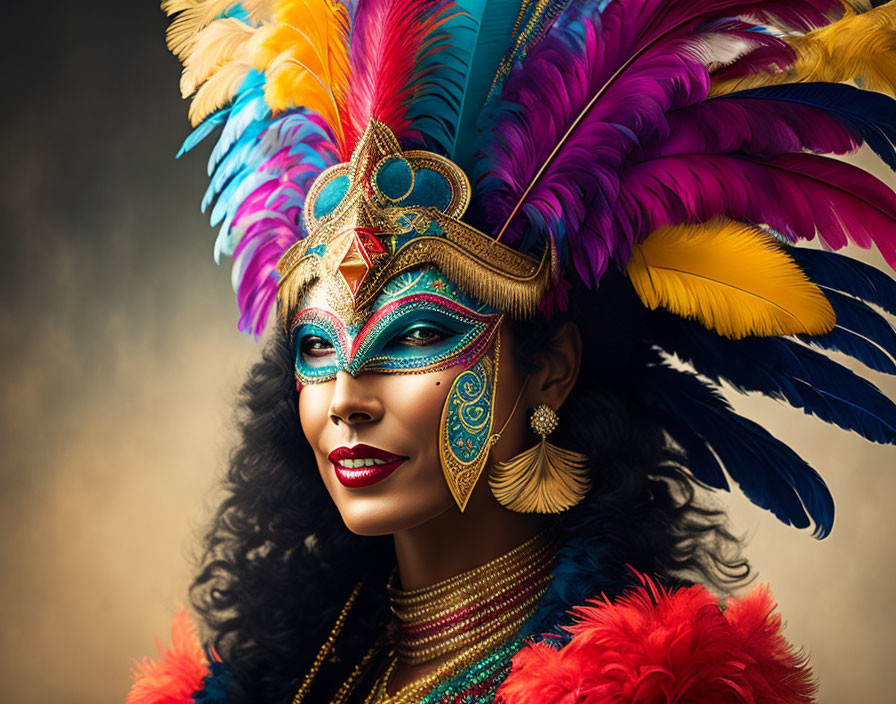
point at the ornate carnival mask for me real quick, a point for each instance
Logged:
(386, 251)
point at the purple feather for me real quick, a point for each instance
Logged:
(586, 167)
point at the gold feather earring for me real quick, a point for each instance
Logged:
(545, 478)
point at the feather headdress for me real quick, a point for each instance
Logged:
(682, 149)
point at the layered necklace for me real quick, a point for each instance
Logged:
(477, 615)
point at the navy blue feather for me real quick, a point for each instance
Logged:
(841, 273)
(870, 117)
(585, 569)
(782, 369)
(857, 322)
(769, 473)
(856, 346)
(701, 461)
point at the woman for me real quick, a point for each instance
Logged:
(468, 469)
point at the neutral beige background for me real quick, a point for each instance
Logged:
(120, 361)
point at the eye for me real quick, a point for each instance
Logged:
(314, 346)
(421, 335)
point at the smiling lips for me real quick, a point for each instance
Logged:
(363, 465)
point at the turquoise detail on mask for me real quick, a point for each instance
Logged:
(431, 189)
(420, 323)
(395, 179)
(331, 196)
(327, 328)
(427, 280)
(469, 412)
(401, 186)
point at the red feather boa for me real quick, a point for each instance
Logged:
(659, 647)
(178, 675)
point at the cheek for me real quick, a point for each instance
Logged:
(415, 403)
(314, 405)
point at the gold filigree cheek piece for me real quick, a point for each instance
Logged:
(387, 211)
(545, 478)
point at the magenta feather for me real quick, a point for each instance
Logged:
(753, 126)
(567, 77)
(796, 194)
(268, 221)
(388, 39)
(583, 102)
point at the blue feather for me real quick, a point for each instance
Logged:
(769, 473)
(841, 273)
(236, 162)
(252, 86)
(869, 116)
(584, 570)
(782, 369)
(203, 129)
(457, 77)
(249, 111)
(855, 318)
(702, 463)
(436, 105)
(856, 346)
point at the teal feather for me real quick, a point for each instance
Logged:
(494, 25)
(459, 69)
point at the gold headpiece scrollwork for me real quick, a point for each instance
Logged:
(387, 211)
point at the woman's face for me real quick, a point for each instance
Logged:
(372, 392)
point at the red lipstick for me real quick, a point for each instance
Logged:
(363, 465)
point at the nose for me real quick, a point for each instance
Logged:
(353, 401)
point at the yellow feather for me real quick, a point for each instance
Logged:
(859, 47)
(217, 91)
(305, 58)
(733, 278)
(218, 44)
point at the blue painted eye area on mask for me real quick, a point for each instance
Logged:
(320, 342)
(421, 325)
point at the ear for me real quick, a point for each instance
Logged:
(558, 369)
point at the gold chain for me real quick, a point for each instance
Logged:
(347, 687)
(512, 620)
(427, 594)
(328, 644)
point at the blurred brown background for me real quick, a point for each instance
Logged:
(121, 358)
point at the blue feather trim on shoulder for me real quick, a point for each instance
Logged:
(215, 686)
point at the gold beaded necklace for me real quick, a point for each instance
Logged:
(470, 614)
(460, 611)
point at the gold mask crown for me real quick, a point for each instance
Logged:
(387, 211)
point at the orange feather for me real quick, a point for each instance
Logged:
(305, 59)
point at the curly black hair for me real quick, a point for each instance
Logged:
(279, 563)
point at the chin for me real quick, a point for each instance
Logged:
(389, 514)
